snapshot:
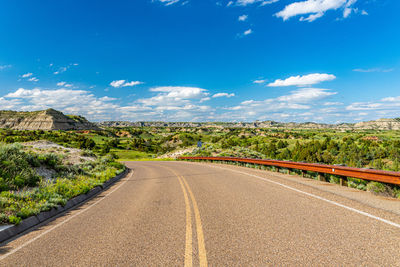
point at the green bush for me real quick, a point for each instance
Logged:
(376, 187)
(14, 219)
(17, 174)
(16, 168)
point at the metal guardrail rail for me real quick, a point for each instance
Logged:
(365, 174)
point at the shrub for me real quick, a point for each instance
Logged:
(376, 187)
(14, 219)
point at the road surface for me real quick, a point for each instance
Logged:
(196, 214)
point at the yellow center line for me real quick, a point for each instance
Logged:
(188, 246)
(199, 227)
(200, 236)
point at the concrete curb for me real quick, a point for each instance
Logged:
(10, 231)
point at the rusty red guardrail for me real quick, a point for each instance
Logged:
(366, 174)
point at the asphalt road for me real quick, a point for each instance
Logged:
(184, 214)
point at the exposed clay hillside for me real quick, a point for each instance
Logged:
(49, 119)
(381, 124)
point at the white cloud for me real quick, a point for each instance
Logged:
(297, 105)
(65, 84)
(60, 70)
(391, 104)
(333, 103)
(306, 95)
(124, 83)
(249, 31)
(133, 83)
(304, 80)
(243, 17)
(64, 69)
(26, 75)
(315, 9)
(175, 102)
(259, 81)
(181, 92)
(67, 100)
(373, 70)
(33, 79)
(29, 77)
(168, 2)
(10, 104)
(250, 2)
(3, 67)
(223, 95)
(229, 3)
(312, 17)
(346, 12)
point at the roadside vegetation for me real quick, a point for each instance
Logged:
(36, 178)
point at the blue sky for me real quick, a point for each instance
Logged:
(202, 60)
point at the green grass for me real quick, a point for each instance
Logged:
(147, 159)
(127, 155)
(24, 193)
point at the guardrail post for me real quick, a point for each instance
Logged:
(277, 169)
(321, 177)
(303, 173)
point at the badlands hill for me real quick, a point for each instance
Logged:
(49, 119)
(381, 124)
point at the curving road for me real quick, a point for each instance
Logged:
(193, 214)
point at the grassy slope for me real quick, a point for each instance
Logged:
(24, 193)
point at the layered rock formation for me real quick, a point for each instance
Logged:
(381, 124)
(49, 119)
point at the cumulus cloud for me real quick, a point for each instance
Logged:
(315, 9)
(306, 95)
(176, 102)
(9, 103)
(124, 83)
(223, 95)
(174, 95)
(391, 104)
(302, 104)
(297, 99)
(250, 2)
(67, 100)
(243, 17)
(304, 80)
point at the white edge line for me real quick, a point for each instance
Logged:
(61, 223)
(317, 197)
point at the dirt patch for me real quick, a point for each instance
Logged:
(47, 174)
(71, 156)
(177, 153)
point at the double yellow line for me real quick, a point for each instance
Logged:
(189, 232)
